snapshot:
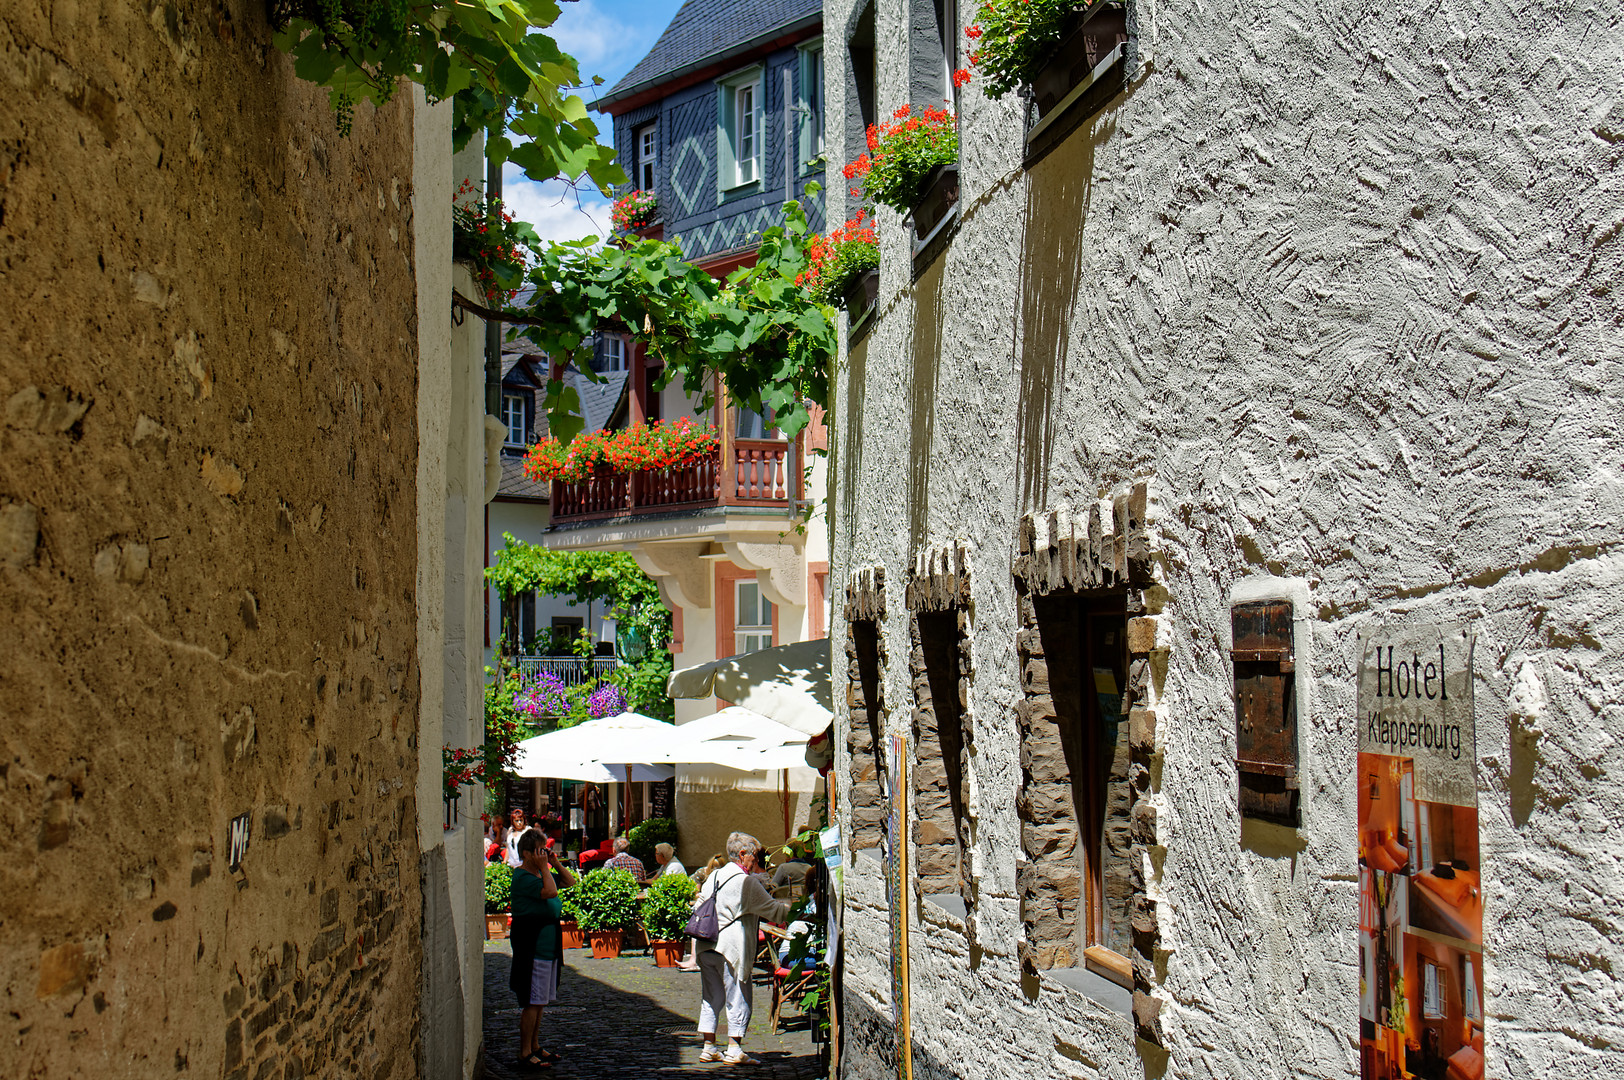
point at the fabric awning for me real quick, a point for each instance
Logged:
(787, 683)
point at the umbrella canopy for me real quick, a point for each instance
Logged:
(738, 739)
(787, 683)
(600, 750)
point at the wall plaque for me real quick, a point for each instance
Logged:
(1420, 882)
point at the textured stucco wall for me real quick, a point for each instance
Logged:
(1343, 282)
(208, 488)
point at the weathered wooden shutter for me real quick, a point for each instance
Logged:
(1265, 710)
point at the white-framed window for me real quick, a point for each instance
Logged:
(747, 132)
(752, 617)
(513, 415)
(812, 93)
(648, 155)
(748, 424)
(1474, 1010)
(1432, 995)
(609, 353)
(738, 129)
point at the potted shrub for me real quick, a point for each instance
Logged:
(642, 837)
(1051, 46)
(666, 908)
(570, 923)
(843, 268)
(606, 904)
(498, 897)
(912, 166)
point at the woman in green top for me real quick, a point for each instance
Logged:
(538, 942)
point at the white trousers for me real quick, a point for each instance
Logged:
(720, 990)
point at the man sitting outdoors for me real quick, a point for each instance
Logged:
(623, 861)
(665, 857)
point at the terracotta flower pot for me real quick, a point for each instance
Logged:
(605, 943)
(573, 937)
(667, 953)
(496, 926)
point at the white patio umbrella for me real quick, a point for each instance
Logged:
(786, 683)
(609, 750)
(736, 738)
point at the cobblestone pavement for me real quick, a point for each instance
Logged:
(626, 1017)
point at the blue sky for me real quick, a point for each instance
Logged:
(608, 37)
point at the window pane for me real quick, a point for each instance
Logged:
(766, 612)
(513, 417)
(1106, 678)
(746, 128)
(748, 599)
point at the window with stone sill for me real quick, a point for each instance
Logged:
(753, 617)
(1079, 789)
(865, 705)
(939, 670)
(514, 419)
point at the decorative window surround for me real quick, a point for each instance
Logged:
(865, 702)
(1111, 547)
(938, 602)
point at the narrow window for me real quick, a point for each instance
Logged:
(941, 814)
(513, 417)
(519, 621)
(749, 424)
(861, 88)
(746, 119)
(812, 99)
(752, 618)
(1084, 638)
(1432, 998)
(1469, 982)
(648, 156)
(863, 741)
(609, 354)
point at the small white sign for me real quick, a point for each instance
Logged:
(237, 840)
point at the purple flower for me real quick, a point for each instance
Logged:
(606, 700)
(541, 696)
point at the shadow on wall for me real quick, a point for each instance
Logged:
(1057, 194)
(869, 1046)
(927, 345)
(850, 447)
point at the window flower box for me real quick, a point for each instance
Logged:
(939, 198)
(1085, 64)
(861, 296)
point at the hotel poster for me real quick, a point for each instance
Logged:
(1420, 882)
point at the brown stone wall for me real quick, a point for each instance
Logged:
(865, 702)
(1061, 556)
(207, 555)
(939, 670)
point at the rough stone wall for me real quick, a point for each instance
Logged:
(1344, 281)
(865, 709)
(207, 485)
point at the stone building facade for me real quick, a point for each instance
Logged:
(1311, 312)
(241, 477)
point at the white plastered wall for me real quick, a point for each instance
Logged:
(1345, 288)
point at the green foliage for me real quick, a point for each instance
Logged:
(498, 887)
(481, 54)
(768, 338)
(644, 682)
(642, 837)
(606, 900)
(668, 906)
(568, 899)
(1011, 39)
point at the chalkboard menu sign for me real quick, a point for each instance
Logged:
(520, 795)
(663, 799)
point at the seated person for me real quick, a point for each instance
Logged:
(665, 859)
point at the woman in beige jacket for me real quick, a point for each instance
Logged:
(724, 964)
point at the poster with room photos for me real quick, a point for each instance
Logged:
(1420, 883)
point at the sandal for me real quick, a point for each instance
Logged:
(546, 1055)
(742, 1059)
(533, 1063)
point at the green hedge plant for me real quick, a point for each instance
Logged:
(607, 900)
(498, 887)
(668, 906)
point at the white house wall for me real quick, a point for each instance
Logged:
(1343, 284)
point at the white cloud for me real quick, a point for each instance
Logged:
(609, 37)
(558, 211)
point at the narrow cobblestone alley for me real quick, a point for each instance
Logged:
(626, 1018)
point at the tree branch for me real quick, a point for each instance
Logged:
(493, 315)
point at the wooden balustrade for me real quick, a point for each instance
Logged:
(764, 472)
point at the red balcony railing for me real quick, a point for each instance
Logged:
(765, 472)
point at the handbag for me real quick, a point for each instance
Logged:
(702, 924)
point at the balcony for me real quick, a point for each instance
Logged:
(763, 472)
(571, 670)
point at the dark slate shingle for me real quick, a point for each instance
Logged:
(702, 29)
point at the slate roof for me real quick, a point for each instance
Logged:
(702, 29)
(516, 485)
